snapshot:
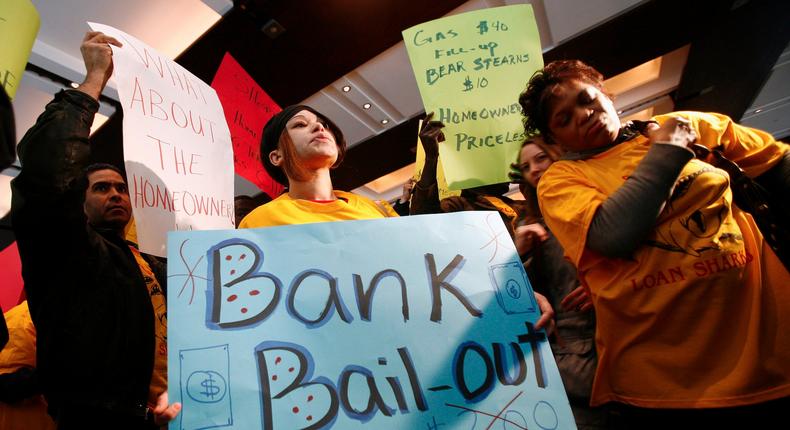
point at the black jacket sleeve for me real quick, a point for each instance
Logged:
(625, 218)
(48, 194)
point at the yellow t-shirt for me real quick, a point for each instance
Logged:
(30, 413)
(699, 317)
(20, 351)
(158, 301)
(285, 210)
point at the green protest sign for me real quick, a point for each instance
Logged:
(470, 69)
(19, 22)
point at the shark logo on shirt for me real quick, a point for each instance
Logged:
(696, 210)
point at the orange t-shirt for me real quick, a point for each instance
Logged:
(30, 413)
(699, 317)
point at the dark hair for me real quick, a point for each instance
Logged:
(275, 136)
(243, 205)
(534, 100)
(101, 166)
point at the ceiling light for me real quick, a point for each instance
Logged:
(346, 88)
(385, 121)
(273, 29)
(366, 106)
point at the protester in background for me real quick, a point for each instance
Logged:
(298, 149)
(692, 307)
(555, 277)
(97, 304)
(21, 402)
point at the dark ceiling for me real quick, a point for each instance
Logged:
(734, 44)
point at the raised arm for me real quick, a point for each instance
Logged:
(47, 194)
(425, 197)
(55, 150)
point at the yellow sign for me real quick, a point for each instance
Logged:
(19, 22)
(470, 70)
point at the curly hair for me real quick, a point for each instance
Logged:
(535, 98)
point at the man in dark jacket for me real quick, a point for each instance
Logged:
(89, 298)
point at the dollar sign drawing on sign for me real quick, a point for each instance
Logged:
(513, 289)
(209, 389)
(206, 386)
(468, 84)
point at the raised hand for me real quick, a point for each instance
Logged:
(579, 300)
(675, 131)
(430, 136)
(164, 412)
(97, 55)
(528, 237)
(408, 188)
(546, 319)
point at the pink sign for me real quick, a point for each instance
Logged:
(10, 277)
(247, 108)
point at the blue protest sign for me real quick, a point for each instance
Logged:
(423, 322)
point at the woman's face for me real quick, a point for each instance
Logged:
(532, 162)
(313, 142)
(581, 117)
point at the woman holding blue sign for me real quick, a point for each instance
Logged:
(692, 306)
(299, 148)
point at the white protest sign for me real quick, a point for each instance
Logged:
(177, 147)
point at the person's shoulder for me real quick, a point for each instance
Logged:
(18, 316)
(455, 204)
(560, 176)
(694, 117)
(379, 206)
(560, 167)
(355, 199)
(259, 216)
(350, 196)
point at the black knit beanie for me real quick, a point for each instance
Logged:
(275, 127)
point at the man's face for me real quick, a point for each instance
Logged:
(107, 200)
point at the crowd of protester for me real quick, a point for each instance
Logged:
(605, 207)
